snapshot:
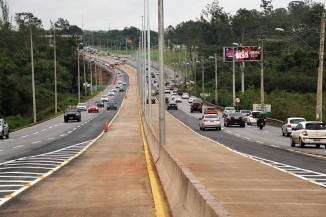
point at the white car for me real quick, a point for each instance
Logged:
(119, 82)
(110, 93)
(104, 98)
(310, 132)
(124, 83)
(82, 106)
(177, 98)
(167, 90)
(253, 117)
(228, 110)
(191, 99)
(114, 90)
(290, 124)
(185, 96)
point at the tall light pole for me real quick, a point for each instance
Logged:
(319, 107)
(262, 98)
(233, 74)
(161, 72)
(33, 80)
(216, 96)
(55, 74)
(78, 73)
(149, 68)
(203, 79)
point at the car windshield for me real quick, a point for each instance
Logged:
(196, 104)
(316, 126)
(112, 103)
(229, 108)
(210, 116)
(72, 110)
(245, 111)
(172, 102)
(212, 109)
(296, 121)
(236, 114)
(81, 104)
(255, 114)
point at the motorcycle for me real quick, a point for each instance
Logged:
(261, 123)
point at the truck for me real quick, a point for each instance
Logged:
(153, 98)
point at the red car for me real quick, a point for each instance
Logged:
(93, 108)
(210, 110)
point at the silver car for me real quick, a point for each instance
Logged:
(209, 121)
(245, 114)
(4, 129)
(82, 106)
(228, 110)
(289, 125)
(310, 132)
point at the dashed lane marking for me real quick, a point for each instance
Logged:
(51, 138)
(18, 146)
(36, 142)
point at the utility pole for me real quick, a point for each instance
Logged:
(91, 71)
(262, 106)
(216, 96)
(85, 86)
(319, 107)
(78, 73)
(233, 76)
(203, 80)
(161, 72)
(242, 77)
(195, 78)
(33, 80)
(55, 74)
(149, 69)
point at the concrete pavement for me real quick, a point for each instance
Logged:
(109, 179)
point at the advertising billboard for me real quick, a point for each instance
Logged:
(242, 53)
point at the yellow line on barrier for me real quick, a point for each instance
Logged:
(159, 210)
(8, 196)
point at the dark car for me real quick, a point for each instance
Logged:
(198, 100)
(196, 106)
(72, 114)
(99, 103)
(172, 105)
(4, 129)
(166, 99)
(180, 92)
(234, 119)
(121, 89)
(157, 91)
(112, 105)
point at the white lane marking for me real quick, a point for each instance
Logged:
(36, 133)
(44, 130)
(63, 134)
(24, 136)
(51, 138)
(36, 142)
(69, 132)
(260, 142)
(74, 129)
(50, 127)
(247, 138)
(276, 146)
(266, 131)
(56, 125)
(1, 150)
(18, 146)
(238, 135)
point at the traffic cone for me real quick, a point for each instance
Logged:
(106, 126)
(125, 96)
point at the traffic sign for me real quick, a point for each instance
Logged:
(237, 99)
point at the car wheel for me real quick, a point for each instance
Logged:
(224, 124)
(7, 136)
(1, 137)
(317, 146)
(292, 142)
(243, 125)
(201, 111)
(66, 120)
(301, 143)
(191, 111)
(203, 128)
(227, 124)
(283, 134)
(250, 124)
(79, 120)
(247, 123)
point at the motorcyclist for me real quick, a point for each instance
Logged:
(260, 118)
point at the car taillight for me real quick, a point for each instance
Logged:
(251, 116)
(289, 126)
(305, 133)
(243, 118)
(229, 118)
(205, 120)
(217, 119)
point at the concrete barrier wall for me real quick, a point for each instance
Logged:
(187, 197)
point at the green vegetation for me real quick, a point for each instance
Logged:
(290, 57)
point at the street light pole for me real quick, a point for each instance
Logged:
(216, 96)
(78, 73)
(203, 80)
(262, 106)
(33, 79)
(319, 107)
(161, 72)
(55, 75)
(233, 77)
(149, 69)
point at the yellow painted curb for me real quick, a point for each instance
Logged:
(27, 185)
(9, 196)
(159, 211)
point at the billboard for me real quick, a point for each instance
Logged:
(242, 53)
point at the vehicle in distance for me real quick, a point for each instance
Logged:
(210, 110)
(196, 106)
(191, 99)
(114, 89)
(185, 96)
(180, 92)
(198, 100)
(309, 132)
(234, 119)
(177, 98)
(110, 93)
(121, 89)
(99, 103)
(104, 98)
(228, 110)
(245, 113)
(82, 106)
(72, 113)
(112, 105)
(4, 129)
(253, 117)
(167, 90)
(93, 108)
(172, 105)
(124, 83)
(290, 124)
(209, 121)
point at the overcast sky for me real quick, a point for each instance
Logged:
(117, 14)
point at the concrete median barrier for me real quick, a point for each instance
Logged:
(187, 197)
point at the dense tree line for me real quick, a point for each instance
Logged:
(290, 57)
